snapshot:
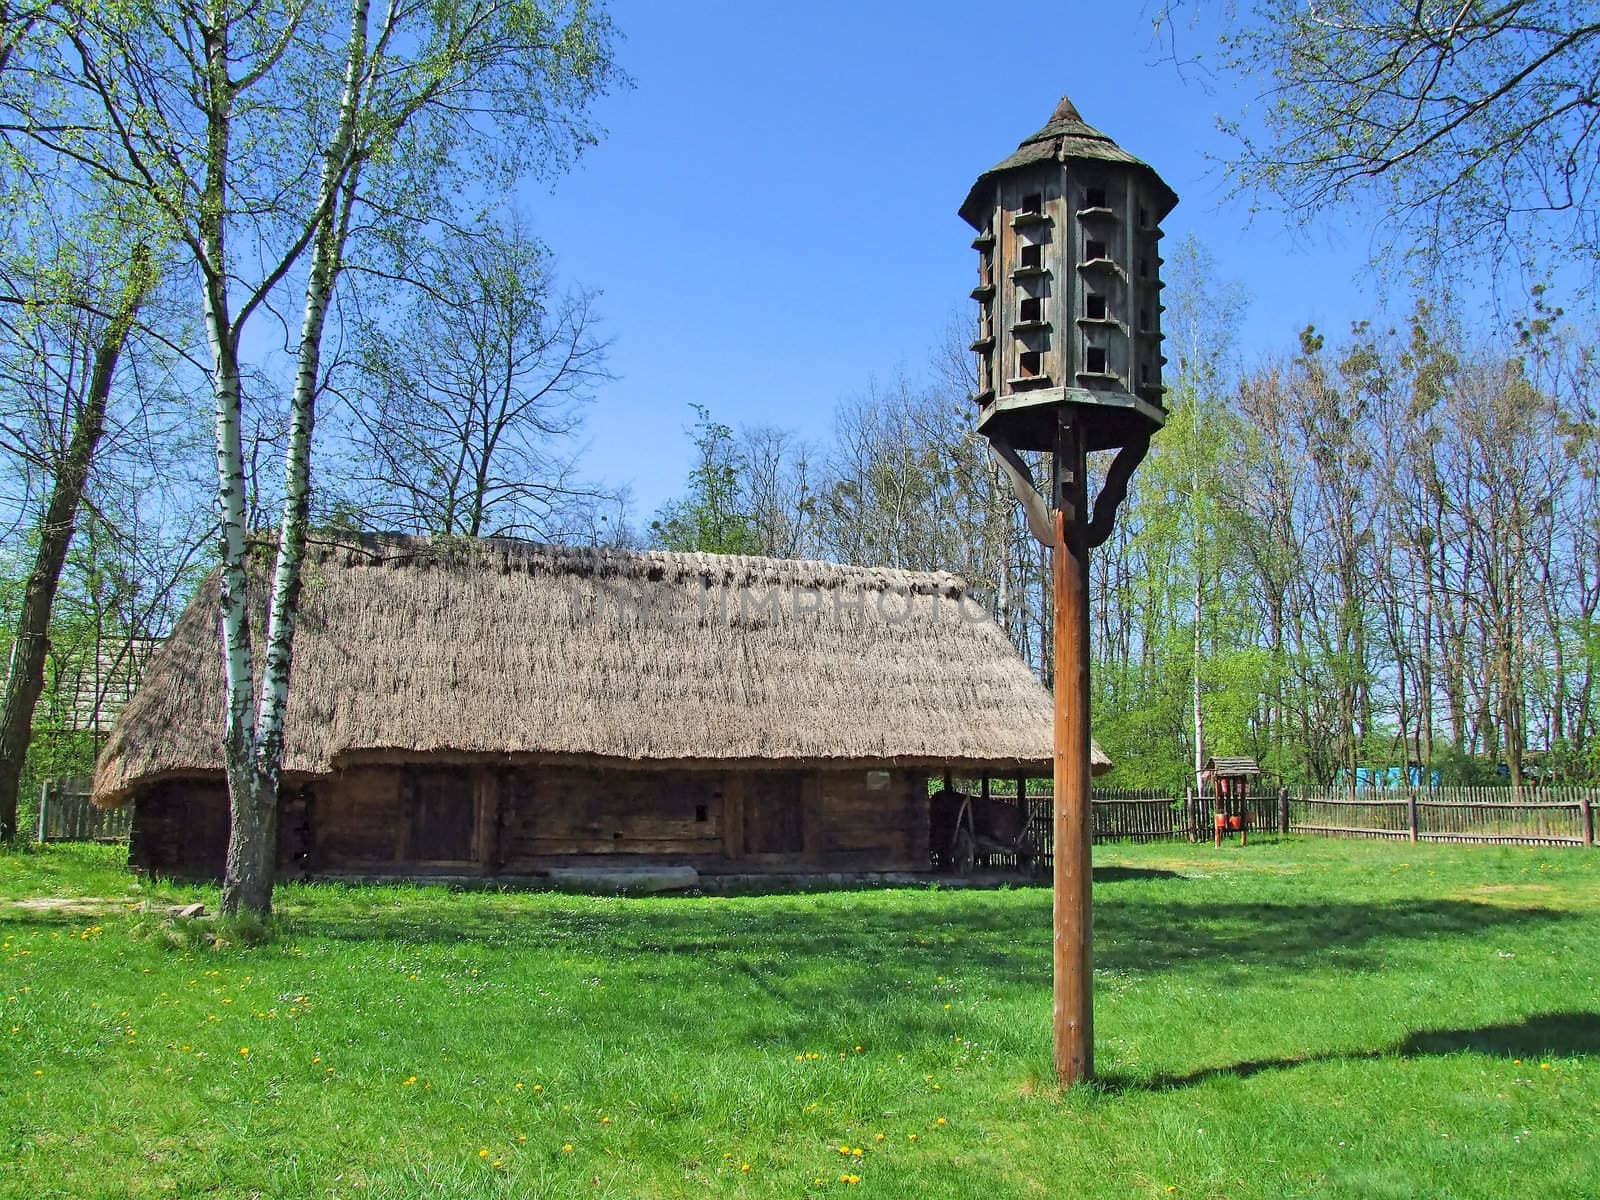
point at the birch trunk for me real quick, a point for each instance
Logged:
(25, 680)
(254, 790)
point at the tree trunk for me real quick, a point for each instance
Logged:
(25, 681)
(253, 748)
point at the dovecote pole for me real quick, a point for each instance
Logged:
(1069, 363)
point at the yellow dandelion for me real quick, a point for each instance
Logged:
(484, 1153)
(1544, 1066)
(880, 1137)
(744, 1166)
(495, 1163)
(567, 1149)
(538, 1088)
(941, 1121)
(522, 1137)
(858, 1049)
(912, 1137)
(858, 1152)
(244, 1051)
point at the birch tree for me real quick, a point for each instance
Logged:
(280, 142)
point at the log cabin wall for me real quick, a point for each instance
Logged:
(180, 829)
(551, 813)
(485, 819)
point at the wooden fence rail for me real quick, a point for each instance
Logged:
(65, 815)
(1545, 816)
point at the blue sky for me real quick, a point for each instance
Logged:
(771, 214)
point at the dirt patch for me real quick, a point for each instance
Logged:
(97, 906)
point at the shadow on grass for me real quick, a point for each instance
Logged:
(909, 936)
(1556, 1035)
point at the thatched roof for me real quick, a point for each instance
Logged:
(412, 647)
(1065, 137)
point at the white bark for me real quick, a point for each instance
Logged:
(338, 180)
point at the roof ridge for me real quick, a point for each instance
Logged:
(623, 561)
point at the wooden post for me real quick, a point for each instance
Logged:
(1283, 810)
(1411, 811)
(44, 802)
(1585, 817)
(1074, 997)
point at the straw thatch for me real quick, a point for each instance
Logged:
(408, 647)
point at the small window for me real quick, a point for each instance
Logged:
(1094, 306)
(1144, 268)
(1144, 217)
(1094, 360)
(1033, 256)
(985, 270)
(700, 813)
(1028, 364)
(1144, 372)
(1033, 202)
(1032, 309)
(1094, 198)
(1093, 250)
(1144, 319)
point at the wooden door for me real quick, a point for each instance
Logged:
(774, 814)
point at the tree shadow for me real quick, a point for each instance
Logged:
(1131, 874)
(1543, 1035)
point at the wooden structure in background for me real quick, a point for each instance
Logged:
(66, 814)
(1069, 363)
(499, 709)
(1229, 780)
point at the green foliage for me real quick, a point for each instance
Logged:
(710, 518)
(1284, 999)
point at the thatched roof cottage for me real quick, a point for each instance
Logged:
(500, 708)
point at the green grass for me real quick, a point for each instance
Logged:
(1298, 1018)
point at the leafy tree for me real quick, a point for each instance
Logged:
(1468, 124)
(278, 142)
(712, 517)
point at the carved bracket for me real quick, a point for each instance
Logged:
(1041, 523)
(1115, 490)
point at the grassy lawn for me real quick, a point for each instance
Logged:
(1302, 1018)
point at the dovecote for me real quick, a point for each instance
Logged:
(1069, 287)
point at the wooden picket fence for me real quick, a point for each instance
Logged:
(65, 815)
(1544, 816)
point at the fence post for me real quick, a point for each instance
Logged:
(1283, 810)
(1586, 817)
(1411, 811)
(1188, 814)
(44, 801)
